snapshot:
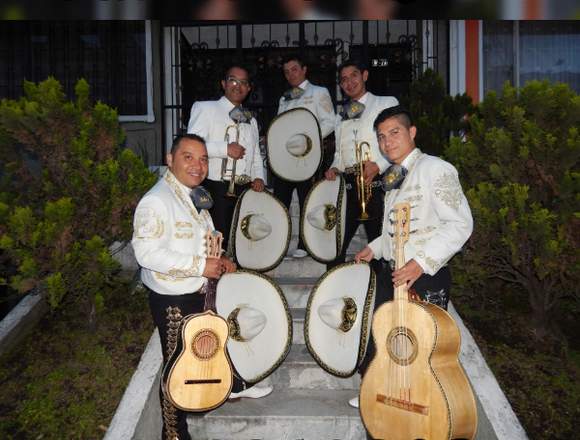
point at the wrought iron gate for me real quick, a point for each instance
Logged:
(196, 54)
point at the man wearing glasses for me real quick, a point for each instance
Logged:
(231, 135)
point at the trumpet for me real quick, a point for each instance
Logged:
(363, 190)
(231, 187)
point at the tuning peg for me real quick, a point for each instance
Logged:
(391, 234)
(413, 231)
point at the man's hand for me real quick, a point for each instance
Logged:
(228, 265)
(330, 174)
(235, 150)
(409, 273)
(258, 185)
(366, 254)
(370, 170)
(213, 268)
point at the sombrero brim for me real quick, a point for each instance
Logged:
(265, 254)
(336, 351)
(324, 246)
(259, 357)
(298, 121)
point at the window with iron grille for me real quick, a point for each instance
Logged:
(110, 55)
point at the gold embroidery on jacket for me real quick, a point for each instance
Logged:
(448, 189)
(148, 224)
(193, 271)
(174, 318)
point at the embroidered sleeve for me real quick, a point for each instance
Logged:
(449, 222)
(152, 236)
(148, 224)
(326, 114)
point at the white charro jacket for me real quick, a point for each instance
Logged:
(209, 119)
(169, 238)
(441, 220)
(317, 100)
(344, 155)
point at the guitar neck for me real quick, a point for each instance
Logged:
(401, 236)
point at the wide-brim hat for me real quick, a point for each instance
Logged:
(260, 231)
(323, 219)
(338, 317)
(260, 324)
(294, 145)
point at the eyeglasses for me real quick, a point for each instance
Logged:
(235, 81)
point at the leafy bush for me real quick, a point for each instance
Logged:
(67, 191)
(436, 114)
(519, 167)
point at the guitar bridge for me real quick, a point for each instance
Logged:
(201, 381)
(403, 404)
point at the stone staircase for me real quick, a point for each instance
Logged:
(307, 403)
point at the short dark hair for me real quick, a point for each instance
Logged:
(294, 57)
(352, 63)
(398, 111)
(177, 141)
(239, 66)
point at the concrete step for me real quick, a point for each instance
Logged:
(298, 325)
(296, 290)
(358, 242)
(300, 371)
(290, 267)
(284, 414)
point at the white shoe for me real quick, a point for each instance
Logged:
(299, 253)
(353, 402)
(252, 393)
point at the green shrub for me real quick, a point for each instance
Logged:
(519, 167)
(436, 114)
(68, 190)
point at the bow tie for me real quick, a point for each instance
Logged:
(201, 198)
(241, 115)
(393, 177)
(293, 93)
(352, 110)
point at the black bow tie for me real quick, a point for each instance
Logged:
(393, 177)
(293, 93)
(352, 110)
(201, 198)
(241, 115)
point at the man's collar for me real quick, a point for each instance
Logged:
(363, 99)
(411, 157)
(226, 103)
(171, 177)
(303, 84)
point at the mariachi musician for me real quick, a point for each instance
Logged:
(231, 134)
(169, 228)
(354, 127)
(302, 94)
(441, 220)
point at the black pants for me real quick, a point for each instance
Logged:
(372, 226)
(222, 211)
(167, 312)
(283, 190)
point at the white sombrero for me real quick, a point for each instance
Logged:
(294, 145)
(260, 231)
(260, 325)
(338, 317)
(322, 221)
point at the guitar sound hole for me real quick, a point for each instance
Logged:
(402, 345)
(205, 344)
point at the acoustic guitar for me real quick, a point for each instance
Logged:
(198, 375)
(415, 387)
